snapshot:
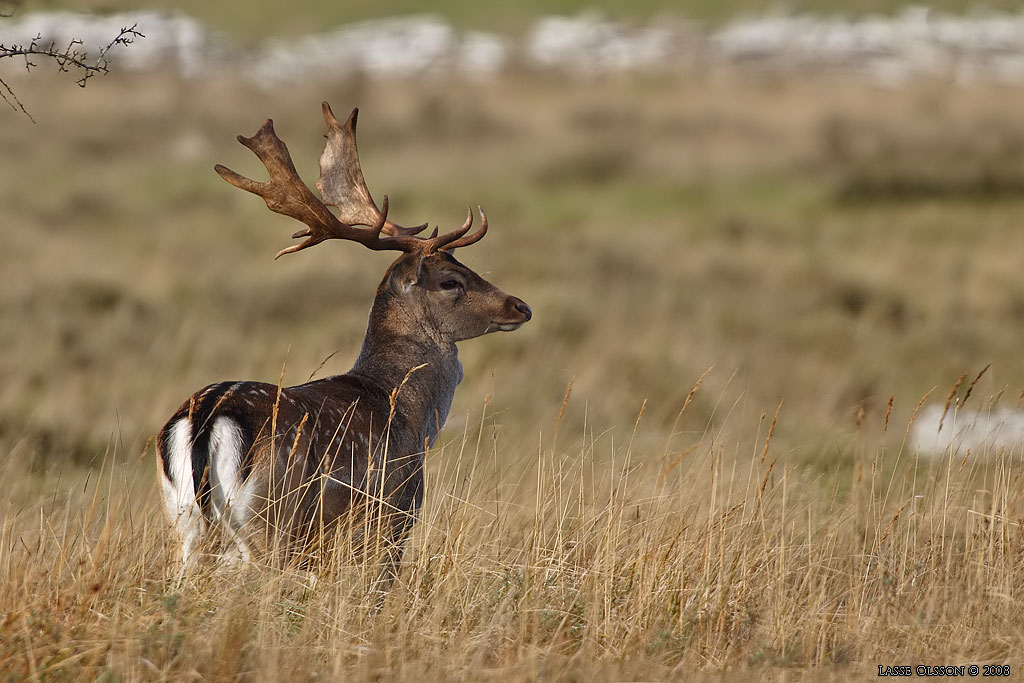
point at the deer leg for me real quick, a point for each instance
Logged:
(390, 557)
(237, 551)
(191, 528)
(387, 572)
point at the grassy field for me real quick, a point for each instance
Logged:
(813, 250)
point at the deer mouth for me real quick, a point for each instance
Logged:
(505, 327)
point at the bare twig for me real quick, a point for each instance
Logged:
(73, 57)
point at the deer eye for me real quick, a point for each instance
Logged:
(451, 284)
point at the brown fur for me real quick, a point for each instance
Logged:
(324, 450)
(345, 448)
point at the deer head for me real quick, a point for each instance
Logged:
(426, 288)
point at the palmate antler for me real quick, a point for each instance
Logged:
(341, 184)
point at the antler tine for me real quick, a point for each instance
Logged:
(369, 238)
(441, 242)
(383, 220)
(461, 239)
(341, 182)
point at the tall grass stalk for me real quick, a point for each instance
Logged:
(583, 559)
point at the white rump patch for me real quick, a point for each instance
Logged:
(226, 461)
(179, 491)
(231, 498)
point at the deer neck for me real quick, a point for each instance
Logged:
(401, 354)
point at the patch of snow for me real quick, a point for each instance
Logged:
(891, 50)
(983, 433)
(589, 45)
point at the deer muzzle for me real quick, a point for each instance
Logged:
(516, 313)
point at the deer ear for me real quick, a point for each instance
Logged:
(407, 273)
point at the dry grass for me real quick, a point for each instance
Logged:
(657, 229)
(585, 560)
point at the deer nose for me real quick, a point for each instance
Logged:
(521, 306)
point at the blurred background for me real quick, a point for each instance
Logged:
(818, 205)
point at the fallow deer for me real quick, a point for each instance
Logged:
(275, 467)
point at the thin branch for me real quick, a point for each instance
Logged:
(69, 58)
(8, 96)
